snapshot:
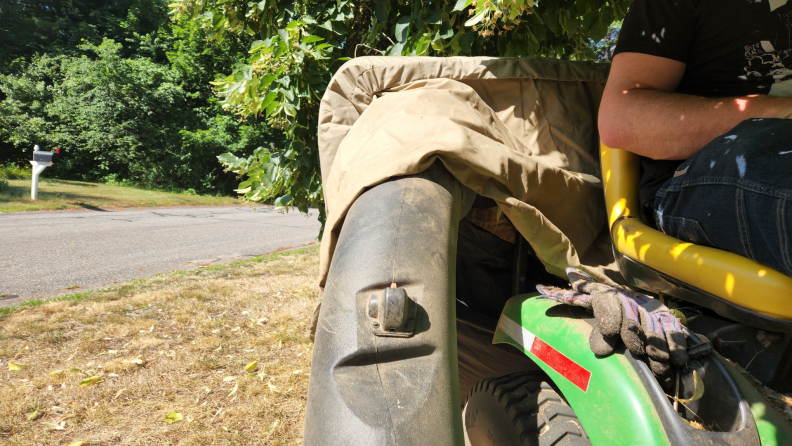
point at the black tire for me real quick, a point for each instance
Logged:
(520, 409)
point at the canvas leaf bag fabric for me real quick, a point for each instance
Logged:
(522, 131)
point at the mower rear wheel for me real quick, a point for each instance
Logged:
(520, 409)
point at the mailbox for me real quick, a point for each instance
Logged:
(41, 160)
(45, 157)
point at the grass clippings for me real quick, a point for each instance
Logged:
(697, 425)
(779, 401)
(214, 356)
(63, 194)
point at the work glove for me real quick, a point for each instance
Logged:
(644, 324)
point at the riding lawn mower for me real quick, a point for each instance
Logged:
(454, 186)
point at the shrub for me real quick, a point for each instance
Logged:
(14, 172)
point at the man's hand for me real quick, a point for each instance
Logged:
(640, 113)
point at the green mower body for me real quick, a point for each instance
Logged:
(617, 400)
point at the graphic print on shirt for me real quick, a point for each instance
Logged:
(764, 61)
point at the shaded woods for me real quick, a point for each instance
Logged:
(123, 91)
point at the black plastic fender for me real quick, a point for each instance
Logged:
(368, 387)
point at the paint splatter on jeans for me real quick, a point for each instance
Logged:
(736, 194)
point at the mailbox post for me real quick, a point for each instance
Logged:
(41, 160)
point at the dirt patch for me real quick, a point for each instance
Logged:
(177, 343)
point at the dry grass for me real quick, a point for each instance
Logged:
(172, 343)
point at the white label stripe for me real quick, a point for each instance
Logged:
(517, 332)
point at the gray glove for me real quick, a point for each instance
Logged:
(645, 325)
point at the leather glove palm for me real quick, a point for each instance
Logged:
(644, 324)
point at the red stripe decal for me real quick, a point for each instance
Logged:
(557, 361)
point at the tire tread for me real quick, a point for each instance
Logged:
(538, 413)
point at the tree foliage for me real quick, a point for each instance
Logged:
(60, 26)
(141, 112)
(604, 48)
(299, 44)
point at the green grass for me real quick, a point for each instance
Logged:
(62, 194)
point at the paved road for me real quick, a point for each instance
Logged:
(44, 253)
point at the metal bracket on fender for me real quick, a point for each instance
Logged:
(391, 312)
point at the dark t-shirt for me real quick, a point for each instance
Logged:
(731, 48)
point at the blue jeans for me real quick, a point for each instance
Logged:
(735, 194)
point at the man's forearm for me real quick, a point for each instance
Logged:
(663, 125)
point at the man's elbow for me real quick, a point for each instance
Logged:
(610, 132)
(610, 137)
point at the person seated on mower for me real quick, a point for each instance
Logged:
(701, 90)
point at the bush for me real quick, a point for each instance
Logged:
(14, 172)
(3, 185)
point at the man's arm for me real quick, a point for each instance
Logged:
(641, 113)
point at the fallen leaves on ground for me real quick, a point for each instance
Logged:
(90, 381)
(15, 366)
(173, 417)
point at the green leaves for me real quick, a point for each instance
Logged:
(478, 17)
(284, 200)
(381, 10)
(433, 18)
(302, 45)
(462, 4)
(311, 39)
(445, 32)
(402, 28)
(589, 19)
(58, 28)
(466, 41)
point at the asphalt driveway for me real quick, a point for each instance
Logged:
(52, 253)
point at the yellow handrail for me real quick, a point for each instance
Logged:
(729, 276)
